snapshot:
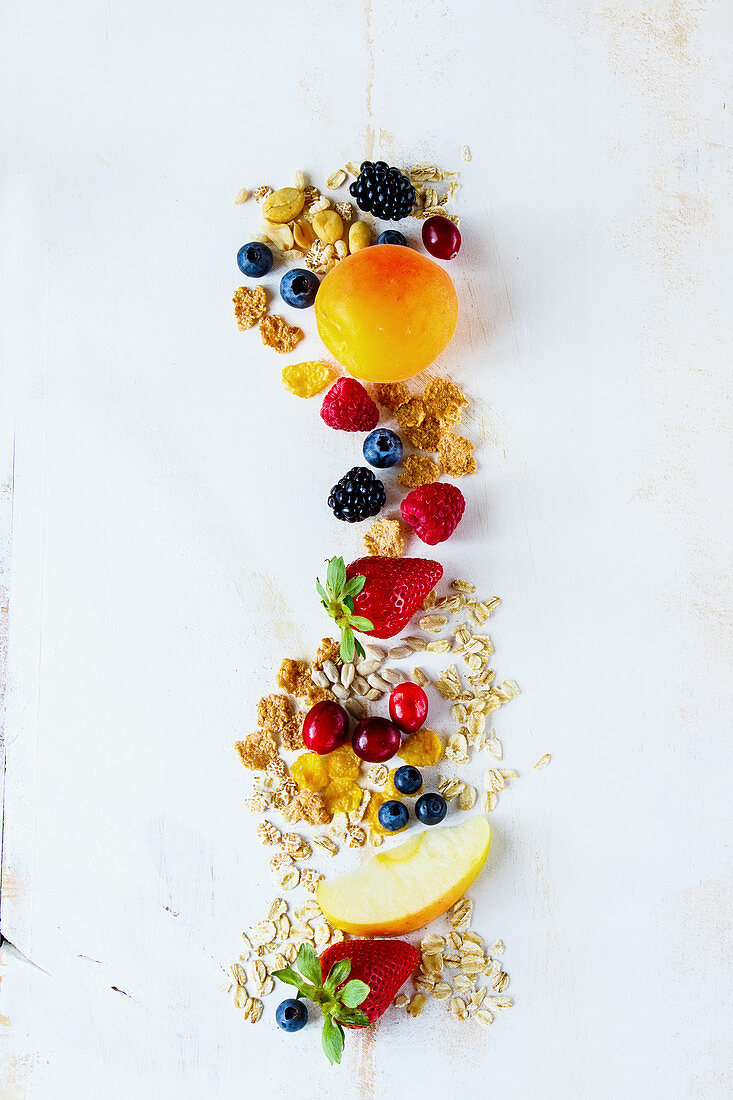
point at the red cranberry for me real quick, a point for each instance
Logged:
(376, 740)
(441, 237)
(325, 727)
(408, 707)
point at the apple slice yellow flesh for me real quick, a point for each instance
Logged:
(410, 885)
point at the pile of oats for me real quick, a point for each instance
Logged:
(453, 968)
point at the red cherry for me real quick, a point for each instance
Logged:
(376, 740)
(441, 237)
(408, 707)
(325, 727)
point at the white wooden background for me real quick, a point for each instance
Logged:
(168, 519)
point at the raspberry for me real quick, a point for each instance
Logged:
(434, 511)
(348, 407)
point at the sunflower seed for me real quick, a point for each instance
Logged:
(399, 652)
(331, 671)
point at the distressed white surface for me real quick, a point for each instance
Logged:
(168, 520)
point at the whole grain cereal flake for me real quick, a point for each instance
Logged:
(426, 436)
(278, 334)
(444, 401)
(274, 712)
(455, 454)
(385, 538)
(390, 394)
(418, 470)
(411, 413)
(257, 750)
(250, 305)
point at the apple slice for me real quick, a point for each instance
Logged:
(410, 885)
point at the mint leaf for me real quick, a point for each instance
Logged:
(308, 964)
(338, 973)
(289, 976)
(360, 623)
(354, 993)
(332, 1039)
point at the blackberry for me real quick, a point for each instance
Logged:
(383, 191)
(358, 495)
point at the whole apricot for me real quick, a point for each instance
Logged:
(386, 312)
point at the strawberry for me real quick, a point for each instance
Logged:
(375, 595)
(348, 407)
(434, 511)
(383, 965)
(352, 983)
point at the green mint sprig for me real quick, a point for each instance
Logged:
(338, 599)
(339, 1006)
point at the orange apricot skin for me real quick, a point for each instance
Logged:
(386, 312)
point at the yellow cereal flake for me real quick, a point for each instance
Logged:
(418, 470)
(385, 538)
(341, 795)
(411, 413)
(455, 455)
(278, 334)
(426, 436)
(421, 749)
(390, 791)
(444, 401)
(310, 771)
(250, 305)
(257, 750)
(391, 394)
(343, 763)
(307, 379)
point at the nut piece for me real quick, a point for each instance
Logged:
(328, 226)
(241, 196)
(303, 234)
(279, 235)
(359, 236)
(283, 205)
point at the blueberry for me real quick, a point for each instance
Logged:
(430, 808)
(391, 236)
(254, 259)
(393, 815)
(299, 287)
(291, 1015)
(382, 448)
(407, 779)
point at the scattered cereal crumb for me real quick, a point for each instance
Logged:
(401, 1000)
(385, 538)
(418, 470)
(241, 196)
(542, 762)
(391, 394)
(346, 210)
(250, 305)
(257, 750)
(465, 153)
(278, 334)
(261, 192)
(455, 455)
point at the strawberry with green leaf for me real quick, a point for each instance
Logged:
(353, 983)
(375, 595)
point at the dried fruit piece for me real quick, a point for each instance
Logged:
(421, 749)
(341, 795)
(343, 763)
(307, 379)
(310, 771)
